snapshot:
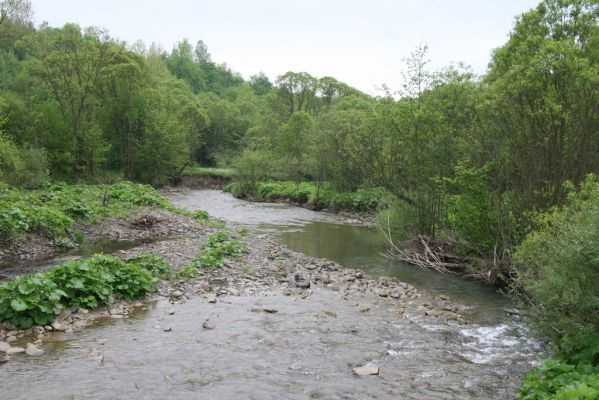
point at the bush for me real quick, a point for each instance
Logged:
(217, 248)
(308, 193)
(152, 263)
(558, 272)
(556, 380)
(558, 266)
(24, 167)
(51, 211)
(85, 283)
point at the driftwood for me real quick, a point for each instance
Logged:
(424, 252)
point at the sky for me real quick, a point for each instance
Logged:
(361, 42)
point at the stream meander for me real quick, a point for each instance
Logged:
(298, 353)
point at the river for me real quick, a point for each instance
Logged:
(297, 353)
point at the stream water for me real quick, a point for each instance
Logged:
(298, 353)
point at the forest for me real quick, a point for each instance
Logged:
(495, 175)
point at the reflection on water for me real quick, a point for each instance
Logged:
(354, 245)
(10, 270)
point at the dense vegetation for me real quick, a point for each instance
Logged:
(51, 211)
(314, 195)
(501, 167)
(88, 283)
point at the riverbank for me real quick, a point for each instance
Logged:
(314, 196)
(257, 315)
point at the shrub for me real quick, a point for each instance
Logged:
(558, 266)
(51, 211)
(30, 299)
(217, 248)
(556, 380)
(152, 263)
(85, 283)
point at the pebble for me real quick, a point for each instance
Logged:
(264, 309)
(14, 350)
(208, 325)
(168, 329)
(382, 292)
(331, 313)
(211, 297)
(4, 346)
(33, 351)
(365, 371)
(57, 326)
(177, 293)
(170, 312)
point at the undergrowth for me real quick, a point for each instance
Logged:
(217, 248)
(88, 283)
(52, 211)
(310, 194)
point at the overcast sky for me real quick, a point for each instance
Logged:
(361, 42)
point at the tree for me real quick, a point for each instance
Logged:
(72, 64)
(18, 11)
(260, 84)
(543, 109)
(201, 52)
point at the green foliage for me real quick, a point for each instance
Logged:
(217, 248)
(51, 211)
(89, 283)
(207, 171)
(558, 265)
(24, 167)
(32, 299)
(200, 215)
(557, 380)
(188, 272)
(152, 263)
(313, 195)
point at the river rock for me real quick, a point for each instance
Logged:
(4, 347)
(168, 329)
(366, 370)
(177, 293)
(331, 313)
(208, 325)
(57, 326)
(14, 350)
(33, 351)
(381, 292)
(170, 312)
(301, 282)
(264, 309)
(211, 297)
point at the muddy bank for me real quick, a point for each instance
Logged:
(147, 226)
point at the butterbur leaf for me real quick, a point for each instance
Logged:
(18, 305)
(76, 283)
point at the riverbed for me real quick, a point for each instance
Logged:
(307, 348)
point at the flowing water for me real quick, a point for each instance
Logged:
(298, 353)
